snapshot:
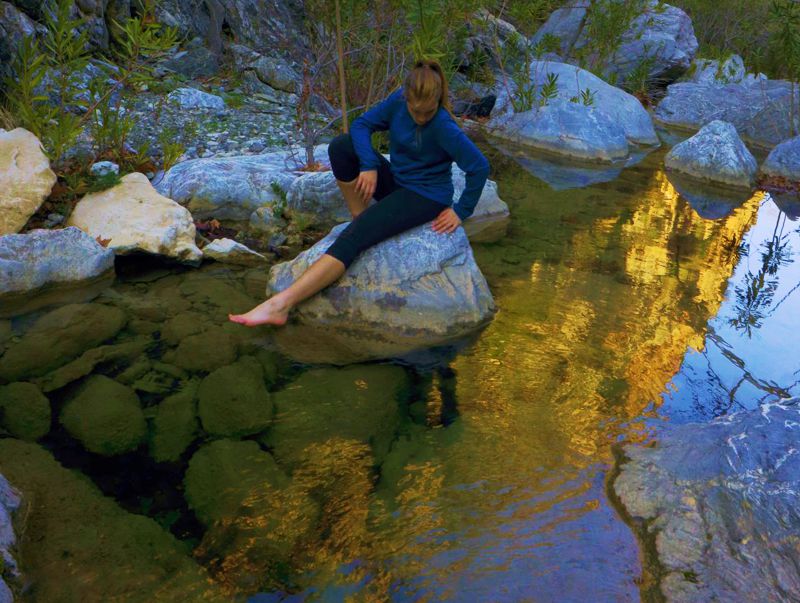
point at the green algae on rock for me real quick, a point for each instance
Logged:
(222, 474)
(78, 545)
(105, 416)
(206, 351)
(233, 400)
(24, 411)
(175, 425)
(58, 337)
(356, 403)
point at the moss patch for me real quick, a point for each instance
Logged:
(233, 400)
(77, 545)
(24, 411)
(223, 474)
(175, 425)
(58, 337)
(105, 416)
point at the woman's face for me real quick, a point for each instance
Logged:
(422, 111)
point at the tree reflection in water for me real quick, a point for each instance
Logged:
(755, 296)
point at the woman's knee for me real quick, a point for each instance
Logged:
(343, 158)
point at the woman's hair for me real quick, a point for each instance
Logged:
(426, 82)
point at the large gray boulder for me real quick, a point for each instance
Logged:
(191, 98)
(43, 260)
(719, 500)
(230, 188)
(761, 112)
(14, 26)
(603, 129)
(715, 154)
(415, 290)
(662, 35)
(318, 193)
(784, 161)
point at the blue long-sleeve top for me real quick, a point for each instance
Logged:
(422, 156)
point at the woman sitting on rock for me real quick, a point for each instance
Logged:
(415, 188)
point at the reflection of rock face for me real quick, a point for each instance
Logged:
(710, 202)
(415, 290)
(721, 499)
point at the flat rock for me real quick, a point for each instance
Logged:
(25, 178)
(762, 113)
(715, 154)
(230, 252)
(43, 260)
(416, 290)
(720, 501)
(134, 217)
(784, 161)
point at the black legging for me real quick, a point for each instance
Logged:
(398, 209)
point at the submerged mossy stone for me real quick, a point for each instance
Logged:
(81, 546)
(24, 411)
(357, 403)
(233, 400)
(223, 474)
(105, 416)
(205, 351)
(179, 327)
(175, 425)
(213, 296)
(121, 353)
(58, 337)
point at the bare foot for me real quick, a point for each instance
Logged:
(268, 313)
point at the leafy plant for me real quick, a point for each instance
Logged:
(548, 90)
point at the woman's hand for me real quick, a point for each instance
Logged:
(447, 221)
(366, 184)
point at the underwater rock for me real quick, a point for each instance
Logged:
(24, 411)
(384, 306)
(233, 400)
(356, 403)
(720, 501)
(58, 337)
(231, 252)
(81, 546)
(175, 425)
(105, 416)
(25, 178)
(715, 154)
(208, 350)
(784, 161)
(221, 475)
(135, 218)
(179, 327)
(761, 113)
(42, 262)
(121, 353)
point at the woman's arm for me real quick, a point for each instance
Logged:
(375, 120)
(470, 159)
